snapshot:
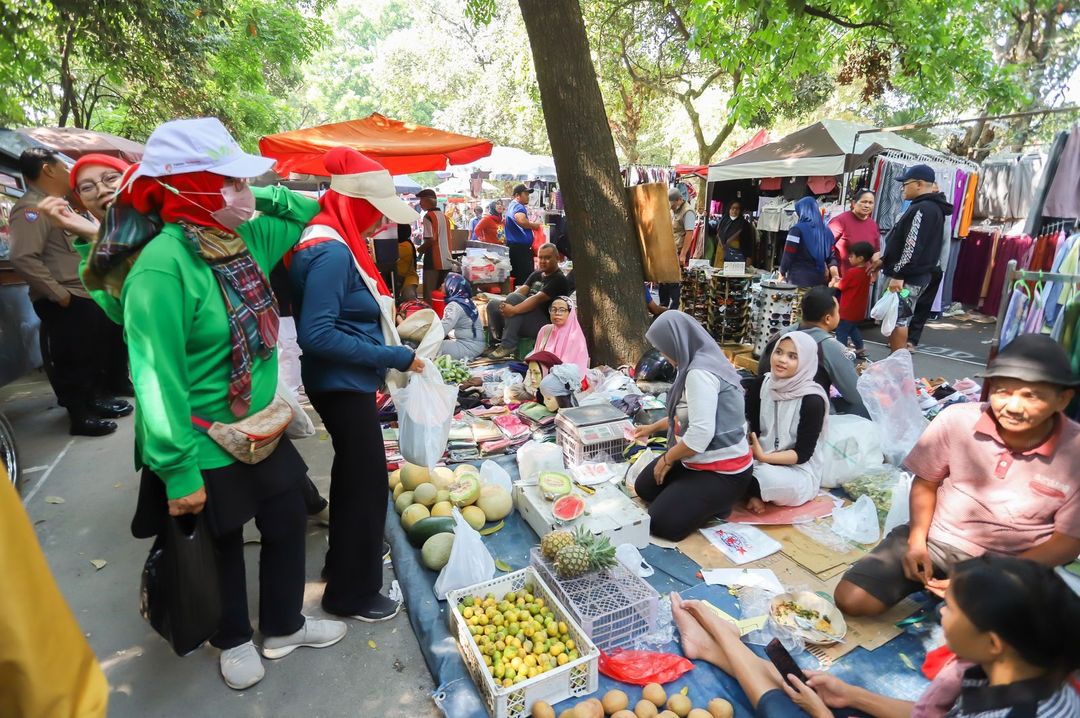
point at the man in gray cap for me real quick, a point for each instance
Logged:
(999, 478)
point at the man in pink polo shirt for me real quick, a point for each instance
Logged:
(1002, 478)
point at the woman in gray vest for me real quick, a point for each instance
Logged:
(707, 465)
(786, 410)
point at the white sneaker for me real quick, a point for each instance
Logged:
(241, 667)
(315, 633)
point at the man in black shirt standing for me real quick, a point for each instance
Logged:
(525, 310)
(913, 245)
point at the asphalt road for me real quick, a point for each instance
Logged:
(97, 484)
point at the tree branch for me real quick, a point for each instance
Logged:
(836, 20)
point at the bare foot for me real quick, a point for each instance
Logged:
(697, 644)
(724, 634)
(755, 505)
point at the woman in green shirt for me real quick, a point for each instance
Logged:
(185, 261)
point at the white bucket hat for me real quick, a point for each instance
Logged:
(201, 144)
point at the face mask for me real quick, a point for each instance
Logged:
(239, 204)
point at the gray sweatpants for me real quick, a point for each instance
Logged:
(508, 330)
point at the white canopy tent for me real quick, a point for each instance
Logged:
(460, 186)
(825, 148)
(509, 164)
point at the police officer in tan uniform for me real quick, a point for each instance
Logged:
(73, 328)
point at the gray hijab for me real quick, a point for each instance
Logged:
(680, 337)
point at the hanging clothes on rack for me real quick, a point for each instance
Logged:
(1008, 248)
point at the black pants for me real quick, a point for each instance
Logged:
(358, 496)
(281, 522)
(521, 262)
(74, 350)
(688, 499)
(669, 295)
(923, 306)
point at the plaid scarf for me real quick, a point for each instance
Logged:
(114, 251)
(249, 303)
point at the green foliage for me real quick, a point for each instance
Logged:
(127, 66)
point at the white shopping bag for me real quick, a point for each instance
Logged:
(425, 408)
(886, 310)
(470, 561)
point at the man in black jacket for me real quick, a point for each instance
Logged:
(913, 246)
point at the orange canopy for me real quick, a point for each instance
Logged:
(400, 147)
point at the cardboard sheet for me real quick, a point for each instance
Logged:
(816, 557)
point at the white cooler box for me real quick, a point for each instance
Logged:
(609, 512)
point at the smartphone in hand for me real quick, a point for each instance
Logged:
(783, 661)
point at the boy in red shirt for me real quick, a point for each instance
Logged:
(854, 289)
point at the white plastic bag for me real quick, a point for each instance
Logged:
(642, 460)
(425, 408)
(470, 561)
(857, 522)
(887, 388)
(300, 426)
(536, 456)
(852, 444)
(492, 473)
(886, 311)
(899, 503)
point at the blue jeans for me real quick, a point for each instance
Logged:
(849, 329)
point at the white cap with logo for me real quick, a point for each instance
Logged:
(201, 144)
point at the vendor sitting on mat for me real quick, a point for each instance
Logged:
(1013, 625)
(525, 311)
(998, 478)
(707, 465)
(820, 317)
(786, 410)
(460, 320)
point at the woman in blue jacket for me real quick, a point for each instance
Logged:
(346, 331)
(808, 248)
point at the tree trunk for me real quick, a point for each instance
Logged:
(607, 258)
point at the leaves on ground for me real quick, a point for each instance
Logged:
(372, 644)
(492, 529)
(54, 500)
(907, 662)
(98, 563)
(502, 565)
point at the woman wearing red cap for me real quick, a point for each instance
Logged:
(184, 260)
(345, 328)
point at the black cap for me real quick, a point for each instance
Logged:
(918, 172)
(521, 188)
(430, 193)
(1034, 358)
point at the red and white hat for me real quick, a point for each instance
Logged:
(201, 144)
(368, 180)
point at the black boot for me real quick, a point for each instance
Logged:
(89, 426)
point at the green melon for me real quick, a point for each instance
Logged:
(403, 501)
(395, 478)
(413, 475)
(465, 491)
(442, 477)
(554, 484)
(442, 508)
(398, 491)
(425, 494)
(442, 495)
(413, 514)
(436, 551)
(463, 469)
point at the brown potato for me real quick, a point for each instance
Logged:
(698, 713)
(680, 705)
(591, 708)
(540, 709)
(655, 694)
(719, 708)
(623, 714)
(668, 714)
(614, 701)
(645, 709)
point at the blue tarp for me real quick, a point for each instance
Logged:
(882, 670)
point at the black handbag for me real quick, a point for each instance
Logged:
(181, 592)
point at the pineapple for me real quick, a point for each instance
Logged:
(587, 553)
(554, 541)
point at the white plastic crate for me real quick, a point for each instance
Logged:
(596, 431)
(608, 512)
(613, 606)
(576, 678)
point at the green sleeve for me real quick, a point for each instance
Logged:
(108, 303)
(156, 320)
(283, 216)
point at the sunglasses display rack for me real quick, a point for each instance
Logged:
(721, 304)
(773, 306)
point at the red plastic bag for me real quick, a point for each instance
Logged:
(641, 668)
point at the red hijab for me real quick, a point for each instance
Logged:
(350, 216)
(148, 195)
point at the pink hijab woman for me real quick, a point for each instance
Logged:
(563, 337)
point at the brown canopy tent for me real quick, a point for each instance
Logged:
(76, 142)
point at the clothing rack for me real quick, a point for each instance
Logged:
(921, 157)
(1058, 225)
(1014, 275)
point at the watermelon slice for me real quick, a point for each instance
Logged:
(554, 484)
(568, 508)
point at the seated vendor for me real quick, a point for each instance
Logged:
(1013, 624)
(820, 317)
(563, 337)
(460, 320)
(996, 478)
(786, 410)
(707, 465)
(525, 311)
